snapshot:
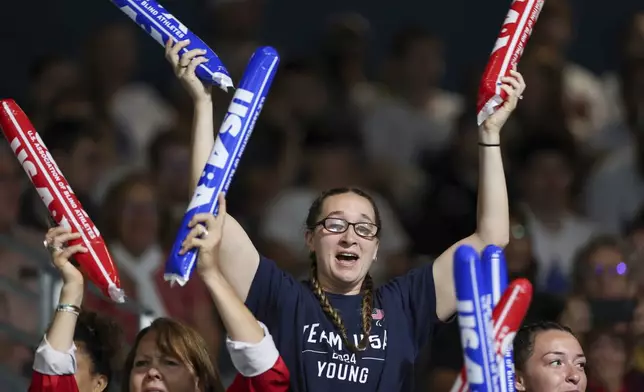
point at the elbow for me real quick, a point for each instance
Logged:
(494, 235)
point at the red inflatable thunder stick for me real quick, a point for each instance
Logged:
(507, 51)
(507, 318)
(59, 198)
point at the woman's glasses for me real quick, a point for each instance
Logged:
(338, 225)
(619, 269)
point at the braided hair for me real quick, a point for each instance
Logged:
(367, 285)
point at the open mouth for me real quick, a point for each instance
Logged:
(346, 257)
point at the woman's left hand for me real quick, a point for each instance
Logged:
(206, 235)
(514, 86)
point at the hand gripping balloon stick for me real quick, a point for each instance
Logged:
(507, 51)
(507, 318)
(229, 146)
(59, 198)
(474, 307)
(161, 26)
(495, 273)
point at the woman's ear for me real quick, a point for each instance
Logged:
(519, 382)
(100, 383)
(308, 237)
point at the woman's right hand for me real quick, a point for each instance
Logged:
(56, 240)
(576, 316)
(184, 67)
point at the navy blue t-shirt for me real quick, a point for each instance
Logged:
(404, 313)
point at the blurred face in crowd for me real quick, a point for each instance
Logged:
(547, 181)
(114, 51)
(172, 180)
(333, 167)
(306, 93)
(609, 275)
(139, 218)
(82, 165)
(55, 78)
(11, 180)
(336, 272)
(557, 364)
(608, 357)
(555, 24)
(422, 65)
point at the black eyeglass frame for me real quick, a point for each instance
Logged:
(323, 223)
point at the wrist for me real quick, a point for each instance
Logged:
(487, 136)
(72, 294)
(203, 102)
(211, 276)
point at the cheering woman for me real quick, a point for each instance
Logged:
(79, 350)
(335, 331)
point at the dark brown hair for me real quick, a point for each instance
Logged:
(525, 338)
(102, 339)
(367, 285)
(184, 343)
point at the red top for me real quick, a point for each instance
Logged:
(54, 371)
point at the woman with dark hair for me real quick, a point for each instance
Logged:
(548, 358)
(336, 330)
(79, 349)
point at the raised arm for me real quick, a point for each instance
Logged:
(250, 345)
(54, 361)
(493, 226)
(60, 334)
(239, 258)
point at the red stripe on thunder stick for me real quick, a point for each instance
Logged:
(507, 51)
(59, 198)
(507, 318)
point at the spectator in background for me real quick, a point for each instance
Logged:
(48, 77)
(130, 227)
(74, 146)
(582, 89)
(333, 159)
(134, 106)
(616, 190)
(169, 161)
(417, 117)
(604, 290)
(542, 107)
(344, 52)
(631, 46)
(546, 166)
(20, 250)
(609, 369)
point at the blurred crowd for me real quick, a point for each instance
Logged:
(574, 155)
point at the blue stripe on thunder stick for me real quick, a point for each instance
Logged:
(496, 273)
(224, 158)
(161, 25)
(468, 281)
